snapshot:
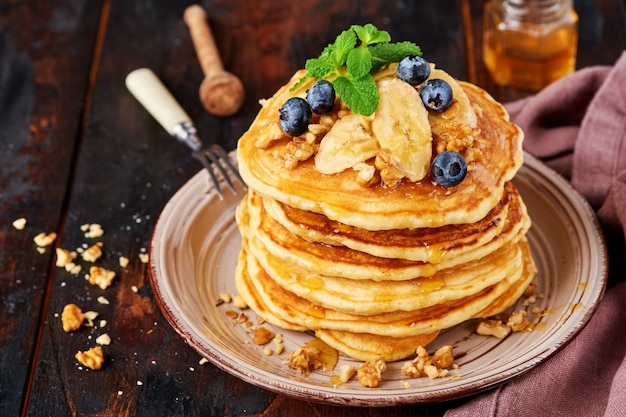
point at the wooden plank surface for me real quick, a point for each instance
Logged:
(77, 148)
(45, 51)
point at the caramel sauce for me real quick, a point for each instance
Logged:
(576, 306)
(430, 284)
(336, 380)
(328, 355)
(538, 326)
(429, 270)
(312, 283)
(435, 255)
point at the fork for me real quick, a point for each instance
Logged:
(159, 102)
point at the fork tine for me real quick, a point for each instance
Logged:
(201, 156)
(221, 153)
(215, 156)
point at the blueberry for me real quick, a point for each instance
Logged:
(436, 95)
(448, 168)
(295, 116)
(413, 69)
(321, 97)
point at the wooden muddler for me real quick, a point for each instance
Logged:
(221, 92)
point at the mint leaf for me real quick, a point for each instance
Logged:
(319, 67)
(360, 95)
(386, 53)
(370, 35)
(359, 62)
(349, 66)
(345, 42)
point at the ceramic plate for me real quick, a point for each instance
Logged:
(192, 260)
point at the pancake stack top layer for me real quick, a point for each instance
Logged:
(288, 169)
(345, 232)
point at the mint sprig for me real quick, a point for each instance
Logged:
(350, 61)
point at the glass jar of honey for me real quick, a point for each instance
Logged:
(529, 43)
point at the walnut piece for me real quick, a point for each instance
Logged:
(64, 257)
(455, 136)
(415, 368)
(42, 239)
(242, 319)
(124, 261)
(346, 372)
(103, 339)
(92, 230)
(72, 317)
(532, 290)
(388, 172)
(371, 372)
(72, 268)
(305, 359)
(231, 314)
(101, 277)
(278, 340)
(19, 224)
(518, 321)
(299, 150)
(92, 358)
(93, 253)
(443, 357)
(433, 367)
(89, 317)
(262, 336)
(493, 328)
(367, 174)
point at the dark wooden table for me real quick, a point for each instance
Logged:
(77, 148)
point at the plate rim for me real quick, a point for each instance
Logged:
(404, 396)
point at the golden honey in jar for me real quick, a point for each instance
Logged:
(529, 43)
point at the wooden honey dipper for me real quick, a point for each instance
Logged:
(221, 92)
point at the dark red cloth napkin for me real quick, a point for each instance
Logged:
(577, 125)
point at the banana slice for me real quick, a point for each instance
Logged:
(348, 143)
(401, 126)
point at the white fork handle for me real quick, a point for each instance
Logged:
(156, 98)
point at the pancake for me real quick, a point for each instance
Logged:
(362, 346)
(365, 346)
(342, 261)
(368, 296)
(432, 245)
(247, 291)
(291, 308)
(515, 291)
(495, 153)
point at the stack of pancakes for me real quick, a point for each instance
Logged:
(378, 269)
